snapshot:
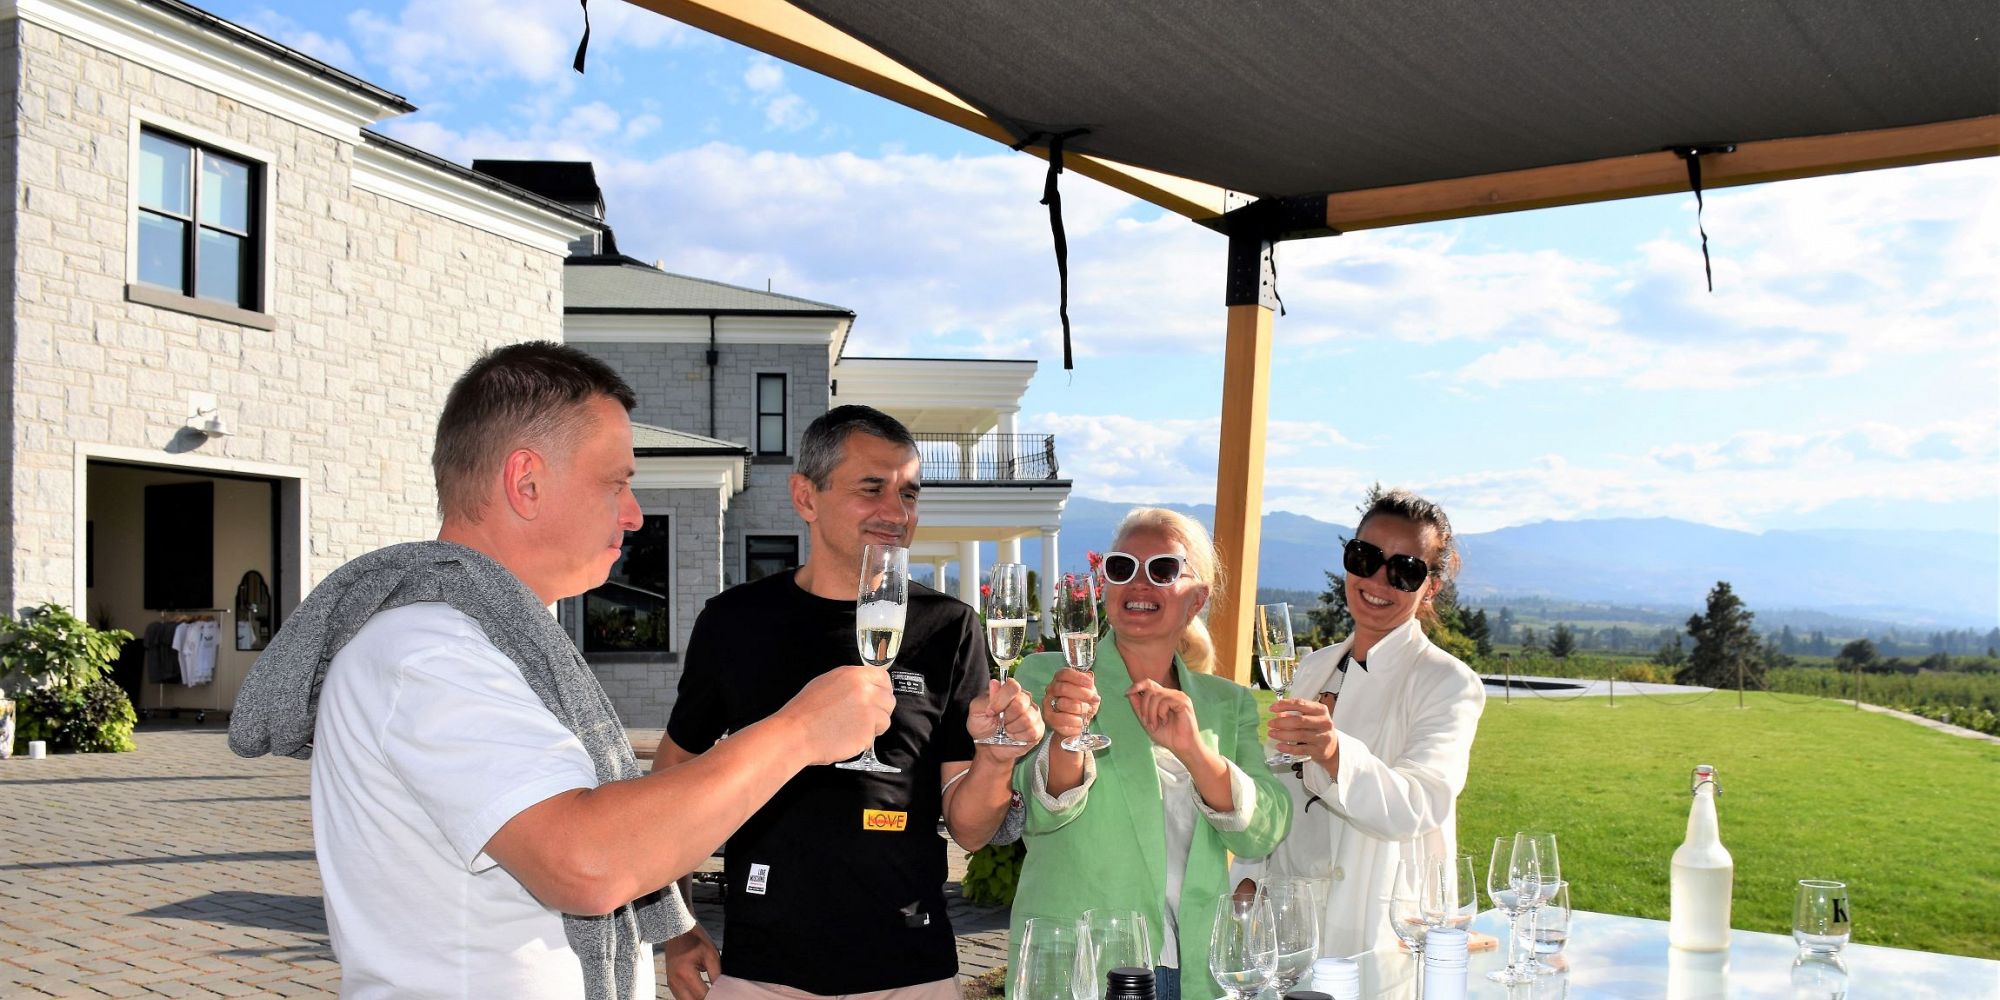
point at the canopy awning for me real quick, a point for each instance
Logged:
(1339, 115)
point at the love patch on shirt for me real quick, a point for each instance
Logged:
(884, 820)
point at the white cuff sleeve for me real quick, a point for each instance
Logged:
(1068, 800)
(1242, 792)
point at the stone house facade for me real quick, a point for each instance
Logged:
(216, 275)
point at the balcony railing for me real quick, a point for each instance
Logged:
(987, 458)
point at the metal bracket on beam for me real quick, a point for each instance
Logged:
(1254, 231)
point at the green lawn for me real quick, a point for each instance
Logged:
(1907, 817)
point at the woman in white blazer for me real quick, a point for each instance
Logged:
(1387, 720)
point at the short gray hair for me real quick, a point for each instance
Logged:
(821, 446)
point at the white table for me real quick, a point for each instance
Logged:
(1627, 958)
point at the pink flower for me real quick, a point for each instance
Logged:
(1096, 559)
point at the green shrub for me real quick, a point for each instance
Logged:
(96, 718)
(55, 663)
(992, 872)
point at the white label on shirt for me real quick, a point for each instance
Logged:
(907, 683)
(760, 876)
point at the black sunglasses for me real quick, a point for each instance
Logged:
(1406, 573)
(1163, 570)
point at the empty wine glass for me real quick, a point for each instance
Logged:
(1075, 615)
(1501, 890)
(1113, 939)
(1406, 907)
(1295, 906)
(1046, 966)
(1243, 945)
(879, 612)
(1532, 872)
(1278, 659)
(1006, 631)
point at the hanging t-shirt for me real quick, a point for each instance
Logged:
(196, 642)
(428, 741)
(837, 884)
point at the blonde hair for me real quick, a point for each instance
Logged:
(1196, 648)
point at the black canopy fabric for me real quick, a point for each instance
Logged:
(1292, 97)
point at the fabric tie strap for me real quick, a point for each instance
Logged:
(584, 45)
(1693, 155)
(1052, 197)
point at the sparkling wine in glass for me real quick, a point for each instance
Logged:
(1075, 617)
(879, 613)
(1006, 630)
(1278, 658)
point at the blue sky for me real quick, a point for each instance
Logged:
(1566, 363)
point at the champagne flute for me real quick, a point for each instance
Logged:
(1048, 966)
(1075, 616)
(1279, 659)
(1295, 906)
(879, 613)
(1243, 945)
(1114, 939)
(1006, 631)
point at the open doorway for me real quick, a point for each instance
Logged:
(190, 561)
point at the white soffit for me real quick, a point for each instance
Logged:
(654, 328)
(406, 179)
(168, 44)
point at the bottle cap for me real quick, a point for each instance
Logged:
(1306, 995)
(1446, 944)
(1330, 972)
(1129, 984)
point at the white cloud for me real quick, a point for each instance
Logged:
(441, 42)
(783, 110)
(332, 51)
(764, 75)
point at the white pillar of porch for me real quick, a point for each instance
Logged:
(1010, 549)
(1004, 436)
(969, 573)
(1050, 567)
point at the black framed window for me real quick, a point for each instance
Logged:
(199, 231)
(632, 611)
(764, 555)
(770, 414)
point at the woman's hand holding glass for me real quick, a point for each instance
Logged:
(1305, 728)
(1070, 702)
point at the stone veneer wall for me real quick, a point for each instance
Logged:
(672, 383)
(379, 306)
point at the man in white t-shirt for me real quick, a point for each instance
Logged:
(456, 820)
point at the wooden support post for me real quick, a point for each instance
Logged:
(1239, 485)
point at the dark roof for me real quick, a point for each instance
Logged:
(439, 162)
(1306, 97)
(571, 181)
(611, 284)
(278, 50)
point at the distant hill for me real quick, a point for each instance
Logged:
(1929, 579)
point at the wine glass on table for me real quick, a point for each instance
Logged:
(1407, 915)
(1295, 907)
(1075, 617)
(1501, 890)
(1006, 631)
(1278, 658)
(1460, 896)
(1243, 944)
(879, 612)
(1532, 871)
(1048, 966)
(1114, 939)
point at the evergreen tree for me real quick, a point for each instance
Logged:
(1857, 655)
(1562, 642)
(1480, 632)
(1331, 619)
(1671, 653)
(1528, 642)
(1726, 650)
(1504, 629)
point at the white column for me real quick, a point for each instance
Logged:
(1010, 549)
(937, 574)
(1049, 570)
(1007, 452)
(969, 574)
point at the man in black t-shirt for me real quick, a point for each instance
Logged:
(836, 886)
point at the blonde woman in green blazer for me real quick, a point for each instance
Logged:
(1150, 824)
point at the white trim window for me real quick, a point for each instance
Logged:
(199, 221)
(632, 611)
(770, 417)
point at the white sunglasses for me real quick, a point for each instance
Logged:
(1162, 570)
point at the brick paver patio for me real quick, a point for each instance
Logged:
(183, 870)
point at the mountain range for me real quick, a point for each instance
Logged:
(1927, 579)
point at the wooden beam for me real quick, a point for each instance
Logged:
(1662, 173)
(789, 33)
(1239, 485)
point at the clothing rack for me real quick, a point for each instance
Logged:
(215, 615)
